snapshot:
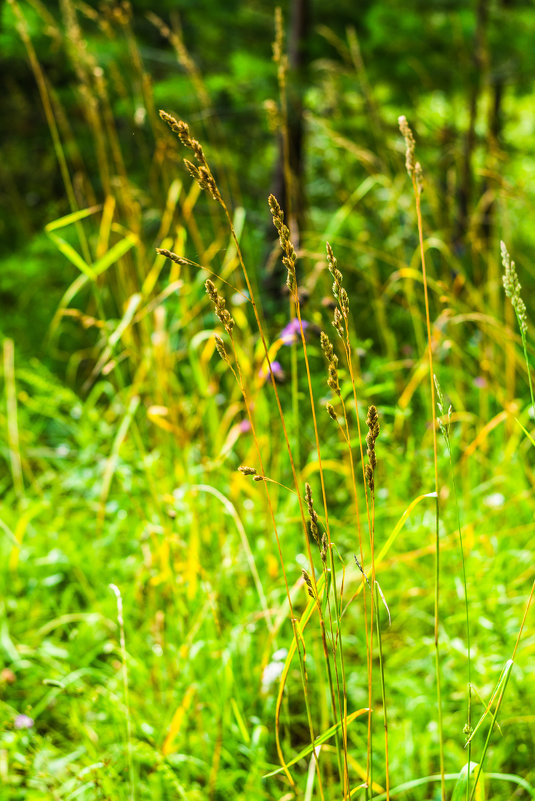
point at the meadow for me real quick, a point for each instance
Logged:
(267, 494)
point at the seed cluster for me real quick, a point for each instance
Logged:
(373, 432)
(219, 306)
(314, 527)
(312, 513)
(512, 287)
(289, 259)
(247, 471)
(337, 322)
(170, 255)
(220, 347)
(331, 412)
(308, 582)
(332, 362)
(201, 173)
(414, 168)
(338, 290)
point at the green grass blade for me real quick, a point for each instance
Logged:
(116, 252)
(68, 219)
(461, 788)
(322, 738)
(526, 432)
(72, 255)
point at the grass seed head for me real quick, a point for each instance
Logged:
(170, 255)
(308, 582)
(202, 174)
(337, 323)
(410, 145)
(338, 290)
(372, 421)
(247, 471)
(290, 257)
(220, 309)
(323, 551)
(312, 514)
(220, 347)
(331, 412)
(332, 361)
(512, 287)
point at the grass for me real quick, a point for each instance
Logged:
(237, 559)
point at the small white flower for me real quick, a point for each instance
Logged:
(495, 500)
(273, 670)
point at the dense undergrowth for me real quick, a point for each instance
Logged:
(254, 615)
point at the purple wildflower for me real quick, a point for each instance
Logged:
(244, 426)
(480, 382)
(23, 722)
(291, 332)
(276, 369)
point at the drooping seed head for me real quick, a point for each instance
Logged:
(170, 255)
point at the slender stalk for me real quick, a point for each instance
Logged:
(124, 671)
(51, 120)
(12, 418)
(444, 427)
(383, 691)
(415, 172)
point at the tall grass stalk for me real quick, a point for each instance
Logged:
(341, 326)
(206, 180)
(44, 93)
(414, 170)
(126, 698)
(444, 423)
(13, 440)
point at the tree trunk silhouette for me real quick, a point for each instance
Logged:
(288, 178)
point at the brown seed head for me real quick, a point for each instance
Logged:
(331, 412)
(247, 471)
(337, 323)
(312, 514)
(308, 582)
(220, 347)
(170, 255)
(289, 255)
(219, 306)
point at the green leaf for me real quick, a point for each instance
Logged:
(461, 791)
(114, 254)
(72, 255)
(68, 219)
(526, 432)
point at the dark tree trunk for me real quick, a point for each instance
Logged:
(466, 180)
(288, 178)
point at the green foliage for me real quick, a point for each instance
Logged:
(123, 429)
